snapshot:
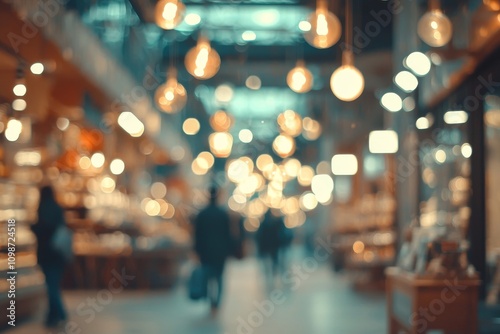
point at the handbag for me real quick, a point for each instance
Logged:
(62, 242)
(198, 283)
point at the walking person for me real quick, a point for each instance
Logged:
(213, 244)
(52, 262)
(270, 240)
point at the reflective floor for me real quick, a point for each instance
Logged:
(321, 302)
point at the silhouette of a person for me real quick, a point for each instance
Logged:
(213, 244)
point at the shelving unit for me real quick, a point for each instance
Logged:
(18, 201)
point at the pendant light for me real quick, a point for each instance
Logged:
(202, 61)
(325, 27)
(169, 13)
(434, 27)
(299, 79)
(347, 82)
(171, 97)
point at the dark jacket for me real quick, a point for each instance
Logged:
(212, 237)
(271, 235)
(50, 217)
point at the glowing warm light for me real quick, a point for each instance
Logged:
(169, 13)
(466, 150)
(284, 145)
(422, 123)
(435, 28)
(408, 103)
(248, 36)
(347, 83)
(238, 170)
(306, 173)
(263, 161)
(221, 144)
(344, 164)
(419, 63)
(131, 124)
(290, 123)
(117, 166)
(202, 61)
(152, 208)
(383, 141)
(245, 136)
(191, 126)
(392, 102)
(62, 123)
(292, 167)
(171, 97)
(304, 26)
(107, 185)
(253, 82)
(325, 28)
(311, 128)
(300, 79)
(440, 156)
(13, 130)
(322, 186)
(358, 247)
(308, 201)
(198, 168)
(224, 93)
(406, 81)
(19, 104)
(206, 160)
(455, 117)
(97, 160)
(323, 167)
(84, 162)
(27, 158)
(19, 89)
(221, 121)
(158, 190)
(192, 19)
(37, 68)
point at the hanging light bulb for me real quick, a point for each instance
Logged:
(434, 27)
(171, 97)
(202, 61)
(325, 27)
(299, 79)
(347, 82)
(169, 13)
(284, 145)
(221, 144)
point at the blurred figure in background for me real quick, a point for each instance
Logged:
(52, 262)
(272, 238)
(213, 244)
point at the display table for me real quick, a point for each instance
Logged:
(418, 305)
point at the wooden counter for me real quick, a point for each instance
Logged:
(418, 305)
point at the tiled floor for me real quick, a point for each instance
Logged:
(321, 303)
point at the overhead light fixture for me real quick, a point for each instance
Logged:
(221, 144)
(290, 123)
(406, 81)
(418, 63)
(19, 89)
(284, 145)
(248, 36)
(304, 26)
(192, 19)
(171, 97)
(300, 79)
(434, 27)
(37, 68)
(383, 141)
(117, 166)
(325, 28)
(392, 102)
(344, 164)
(347, 82)
(422, 123)
(131, 124)
(191, 126)
(19, 105)
(455, 117)
(245, 136)
(169, 13)
(13, 130)
(202, 61)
